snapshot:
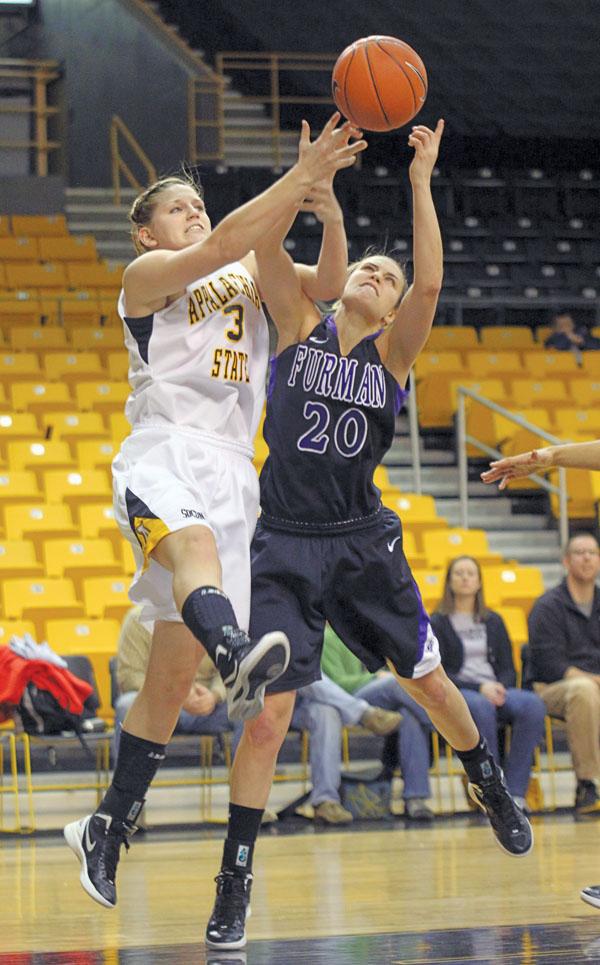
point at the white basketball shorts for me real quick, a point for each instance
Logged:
(165, 479)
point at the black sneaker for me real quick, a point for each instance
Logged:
(512, 829)
(591, 894)
(227, 925)
(246, 668)
(97, 840)
(586, 798)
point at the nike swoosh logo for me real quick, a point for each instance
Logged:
(318, 341)
(89, 845)
(391, 545)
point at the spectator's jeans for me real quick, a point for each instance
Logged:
(324, 724)
(525, 713)
(412, 737)
(214, 723)
(577, 701)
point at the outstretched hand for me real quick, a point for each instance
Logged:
(426, 144)
(322, 202)
(515, 467)
(334, 148)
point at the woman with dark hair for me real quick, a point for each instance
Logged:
(477, 656)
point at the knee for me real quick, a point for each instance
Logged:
(267, 731)
(582, 690)
(433, 691)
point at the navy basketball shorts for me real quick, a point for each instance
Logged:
(358, 581)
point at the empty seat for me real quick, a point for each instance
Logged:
(18, 249)
(102, 396)
(484, 365)
(39, 226)
(431, 586)
(71, 426)
(41, 396)
(75, 487)
(74, 367)
(18, 558)
(509, 584)
(585, 391)
(448, 337)
(42, 277)
(79, 558)
(94, 639)
(120, 427)
(22, 307)
(432, 363)
(38, 338)
(551, 364)
(97, 520)
(68, 248)
(98, 338)
(506, 337)
(583, 488)
(19, 367)
(39, 600)
(19, 425)
(443, 545)
(15, 628)
(38, 522)
(117, 364)
(572, 422)
(106, 597)
(417, 512)
(95, 454)
(39, 456)
(18, 486)
(98, 276)
(549, 394)
(77, 309)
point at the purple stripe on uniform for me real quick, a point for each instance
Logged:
(330, 324)
(272, 376)
(401, 397)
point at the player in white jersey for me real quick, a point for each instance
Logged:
(186, 493)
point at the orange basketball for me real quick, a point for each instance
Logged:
(379, 83)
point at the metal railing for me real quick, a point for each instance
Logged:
(464, 439)
(207, 101)
(24, 91)
(118, 129)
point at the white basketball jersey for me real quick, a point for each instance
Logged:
(201, 362)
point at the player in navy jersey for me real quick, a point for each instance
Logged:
(185, 489)
(324, 547)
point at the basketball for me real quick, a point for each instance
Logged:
(379, 83)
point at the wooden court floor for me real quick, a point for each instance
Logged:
(380, 894)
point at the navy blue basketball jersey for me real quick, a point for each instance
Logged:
(330, 419)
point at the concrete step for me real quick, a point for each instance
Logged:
(552, 574)
(544, 539)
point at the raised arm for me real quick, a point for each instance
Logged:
(416, 312)
(158, 274)
(571, 455)
(325, 280)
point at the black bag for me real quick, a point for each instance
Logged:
(41, 713)
(366, 794)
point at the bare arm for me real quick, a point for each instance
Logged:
(416, 313)
(325, 280)
(571, 455)
(158, 274)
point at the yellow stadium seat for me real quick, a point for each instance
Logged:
(94, 639)
(504, 429)
(493, 365)
(583, 488)
(97, 520)
(431, 586)
(106, 597)
(71, 426)
(585, 391)
(413, 554)
(95, 454)
(590, 364)
(74, 367)
(39, 226)
(38, 522)
(20, 308)
(261, 452)
(381, 478)
(18, 559)
(572, 422)
(19, 425)
(509, 584)
(68, 248)
(19, 367)
(74, 309)
(443, 545)
(19, 249)
(15, 628)
(448, 337)
(119, 427)
(437, 396)
(99, 276)
(78, 558)
(40, 396)
(99, 339)
(39, 600)
(45, 278)
(76, 487)
(38, 338)
(117, 364)
(18, 486)
(516, 624)
(39, 456)
(548, 393)
(417, 512)
(4, 226)
(432, 363)
(542, 332)
(102, 396)
(494, 337)
(551, 365)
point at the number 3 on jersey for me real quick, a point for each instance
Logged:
(349, 432)
(237, 312)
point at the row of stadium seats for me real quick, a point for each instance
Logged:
(69, 248)
(49, 278)
(93, 366)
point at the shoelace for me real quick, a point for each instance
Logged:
(109, 857)
(500, 801)
(232, 898)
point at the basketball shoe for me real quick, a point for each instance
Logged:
(510, 826)
(591, 894)
(246, 668)
(96, 840)
(227, 925)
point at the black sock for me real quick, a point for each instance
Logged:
(478, 762)
(207, 612)
(242, 831)
(137, 763)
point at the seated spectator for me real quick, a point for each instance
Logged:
(324, 709)
(477, 655)
(566, 336)
(564, 643)
(204, 711)
(409, 748)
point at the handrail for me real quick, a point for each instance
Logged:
(463, 438)
(31, 78)
(119, 165)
